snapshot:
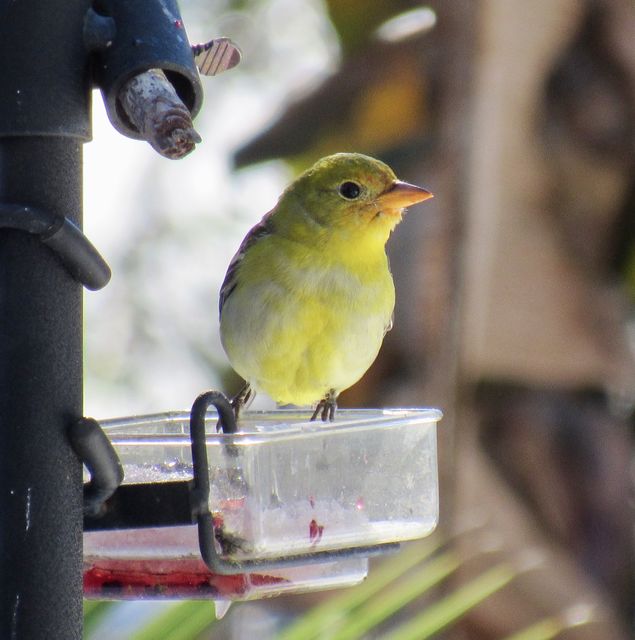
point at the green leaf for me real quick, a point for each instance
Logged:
(183, 621)
(331, 612)
(442, 613)
(94, 612)
(543, 630)
(386, 604)
(553, 626)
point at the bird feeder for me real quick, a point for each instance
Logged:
(282, 505)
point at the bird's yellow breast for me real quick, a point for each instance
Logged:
(302, 321)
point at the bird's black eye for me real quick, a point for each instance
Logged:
(350, 190)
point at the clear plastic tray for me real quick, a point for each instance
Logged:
(284, 486)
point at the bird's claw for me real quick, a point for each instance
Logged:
(326, 407)
(243, 398)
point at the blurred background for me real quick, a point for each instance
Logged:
(515, 285)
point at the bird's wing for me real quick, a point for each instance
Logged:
(262, 229)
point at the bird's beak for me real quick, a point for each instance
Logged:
(401, 194)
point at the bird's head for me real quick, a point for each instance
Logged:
(350, 196)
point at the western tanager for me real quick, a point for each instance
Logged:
(309, 296)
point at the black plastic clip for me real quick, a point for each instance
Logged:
(73, 248)
(93, 448)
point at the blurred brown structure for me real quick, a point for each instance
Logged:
(512, 285)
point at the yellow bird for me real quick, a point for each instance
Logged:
(309, 296)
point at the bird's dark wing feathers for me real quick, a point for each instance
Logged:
(262, 229)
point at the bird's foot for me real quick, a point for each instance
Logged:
(242, 399)
(326, 407)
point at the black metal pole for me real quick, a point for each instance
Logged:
(44, 118)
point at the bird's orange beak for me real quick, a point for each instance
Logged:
(401, 194)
